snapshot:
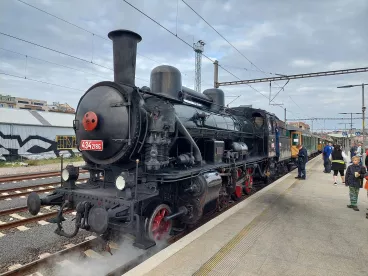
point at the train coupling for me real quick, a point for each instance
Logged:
(88, 217)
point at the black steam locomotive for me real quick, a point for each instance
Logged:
(162, 154)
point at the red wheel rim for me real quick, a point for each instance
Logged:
(248, 184)
(159, 229)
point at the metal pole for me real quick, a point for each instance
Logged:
(285, 115)
(269, 97)
(61, 168)
(215, 75)
(351, 124)
(363, 112)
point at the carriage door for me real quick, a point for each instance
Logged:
(277, 138)
(271, 138)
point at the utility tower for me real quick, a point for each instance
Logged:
(198, 49)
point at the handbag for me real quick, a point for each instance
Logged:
(366, 184)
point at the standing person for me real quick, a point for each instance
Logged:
(339, 160)
(327, 150)
(359, 152)
(302, 161)
(354, 179)
(353, 149)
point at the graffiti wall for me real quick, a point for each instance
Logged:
(31, 142)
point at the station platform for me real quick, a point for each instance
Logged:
(291, 227)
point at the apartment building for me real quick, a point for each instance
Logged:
(31, 104)
(58, 107)
(301, 125)
(7, 101)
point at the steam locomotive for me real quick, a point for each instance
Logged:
(161, 155)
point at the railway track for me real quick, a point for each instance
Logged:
(26, 190)
(86, 248)
(20, 177)
(23, 221)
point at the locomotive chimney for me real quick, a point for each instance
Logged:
(125, 54)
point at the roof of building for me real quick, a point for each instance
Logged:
(36, 118)
(339, 135)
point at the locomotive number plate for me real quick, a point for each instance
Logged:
(95, 145)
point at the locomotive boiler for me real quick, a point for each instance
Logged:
(159, 155)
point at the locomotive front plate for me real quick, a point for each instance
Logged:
(95, 145)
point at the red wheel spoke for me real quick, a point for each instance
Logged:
(155, 226)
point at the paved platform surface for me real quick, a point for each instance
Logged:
(292, 227)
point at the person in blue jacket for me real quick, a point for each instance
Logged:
(302, 161)
(327, 150)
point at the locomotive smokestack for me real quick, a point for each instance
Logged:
(125, 54)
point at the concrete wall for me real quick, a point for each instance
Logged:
(31, 142)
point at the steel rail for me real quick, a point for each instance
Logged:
(4, 191)
(32, 267)
(13, 210)
(10, 178)
(32, 219)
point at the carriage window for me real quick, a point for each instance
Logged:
(295, 139)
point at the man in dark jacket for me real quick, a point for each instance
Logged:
(302, 161)
(327, 150)
(353, 149)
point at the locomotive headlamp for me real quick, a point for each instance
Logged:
(65, 175)
(120, 183)
(70, 173)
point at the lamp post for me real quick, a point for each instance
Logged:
(351, 124)
(351, 119)
(363, 108)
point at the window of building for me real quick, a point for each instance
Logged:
(36, 103)
(1, 105)
(23, 102)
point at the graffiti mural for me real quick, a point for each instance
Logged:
(15, 147)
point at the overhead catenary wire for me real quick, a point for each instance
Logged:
(39, 81)
(182, 40)
(94, 34)
(77, 26)
(236, 49)
(91, 62)
(51, 62)
(86, 30)
(53, 50)
(232, 47)
(301, 109)
(60, 52)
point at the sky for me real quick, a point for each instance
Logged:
(273, 37)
